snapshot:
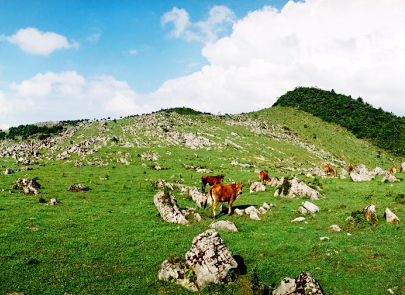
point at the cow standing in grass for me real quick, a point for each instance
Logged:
(211, 180)
(224, 193)
(329, 170)
(393, 170)
(264, 176)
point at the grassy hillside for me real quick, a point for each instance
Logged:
(111, 240)
(382, 128)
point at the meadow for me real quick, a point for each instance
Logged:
(111, 239)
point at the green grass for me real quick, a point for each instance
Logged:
(111, 240)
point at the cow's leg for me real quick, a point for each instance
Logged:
(230, 207)
(214, 206)
(203, 187)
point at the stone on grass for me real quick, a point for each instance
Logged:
(312, 208)
(208, 261)
(166, 204)
(53, 202)
(335, 227)
(298, 219)
(253, 213)
(224, 225)
(257, 187)
(239, 211)
(370, 213)
(302, 210)
(390, 217)
(390, 178)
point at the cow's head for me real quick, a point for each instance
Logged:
(237, 187)
(221, 177)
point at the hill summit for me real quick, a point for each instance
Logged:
(382, 128)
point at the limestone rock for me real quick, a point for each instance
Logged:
(257, 187)
(8, 171)
(224, 225)
(303, 284)
(239, 211)
(335, 227)
(253, 213)
(286, 287)
(27, 186)
(302, 210)
(298, 219)
(370, 212)
(209, 258)
(53, 202)
(343, 174)
(390, 216)
(312, 208)
(174, 269)
(296, 188)
(389, 178)
(360, 173)
(166, 204)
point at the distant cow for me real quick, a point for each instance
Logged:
(264, 176)
(211, 180)
(393, 170)
(329, 170)
(224, 193)
(350, 168)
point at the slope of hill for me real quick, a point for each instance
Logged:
(384, 129)
(111, 240)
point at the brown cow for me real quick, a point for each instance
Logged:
(224, 193)
(211, 180)
(264, 176)
(329, 170)
(350, 168)
(393, 170)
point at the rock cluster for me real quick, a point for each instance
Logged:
(303, 284)
(291, 188)
(27, 186)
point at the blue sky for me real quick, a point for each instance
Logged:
(92, 59)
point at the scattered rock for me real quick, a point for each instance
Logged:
(370, 213)
(78, 188)
(303, 284)
(257, 187)
(390, 178)
(360, 173)
(224, 225)
(53, 202)
(253, 213)
(27, 186)
(335, 227)
(302, 210)
(296, 188)
(298, 219)
(166, 204)
(390, 217)
(324, 238)
(8, 171)
(312, 208)
(239, 211)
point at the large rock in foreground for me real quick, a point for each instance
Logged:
(208, 261)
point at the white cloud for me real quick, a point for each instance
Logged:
(217, 22)
(35, 42)
(355, 47)
(133, 52)
(68, 95)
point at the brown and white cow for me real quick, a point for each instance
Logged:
(393, 170)
(224, 193)
(329, 170)
(211, 180)
(264, 176)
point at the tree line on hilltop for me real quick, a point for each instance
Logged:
(382, 128)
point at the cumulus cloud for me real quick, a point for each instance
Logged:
(354, 47)
(217, 23)
(35, 42)
(68, 95)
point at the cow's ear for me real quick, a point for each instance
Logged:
(234, 185)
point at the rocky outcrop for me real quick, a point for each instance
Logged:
(78, 188)
(303, 284)
(360, 173)
(208, 261)
(389, 178)
(166, 204)
(292, 188)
